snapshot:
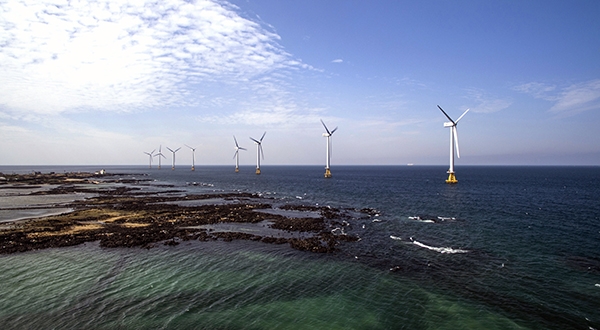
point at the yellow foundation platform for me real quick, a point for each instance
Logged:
(237, 170)
(258, 171)
(327, 173)
(451, 178)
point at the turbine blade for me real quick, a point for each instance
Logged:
(455, 132)
(254, 140)
(326, 129)
(261, 151)
(445, 114)
(236, 143)
(177, 149)
(235, 154)
(335, 129)
(263, 136)
(188, 146)
(464, 113)
(240, 148)
(171, 150)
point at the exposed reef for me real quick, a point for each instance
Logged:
(120, 214)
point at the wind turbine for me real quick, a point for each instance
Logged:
(259, 151)
(328, 159)
(150, 155)
(453, 141)
(173, 151)
(193, 157)
(237, 154)
(159, 154)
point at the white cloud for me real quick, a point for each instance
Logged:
(569, 100)
(485, 103)
(578, 98)
(538, 90)
(57, 56)
(339, 60)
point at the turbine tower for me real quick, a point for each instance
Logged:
(150, 156)
(193, 157)
(328, 135)
(237, 155)
(259, 151)
(453, 142)
(159, 154)
(173, 151)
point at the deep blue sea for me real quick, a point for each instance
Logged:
(505, 248)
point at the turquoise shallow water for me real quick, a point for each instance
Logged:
(505, 248)
(219, 286)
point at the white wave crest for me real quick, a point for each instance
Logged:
(441, 249)
(417, 218)
(395, 237)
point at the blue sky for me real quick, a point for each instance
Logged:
(99, 83)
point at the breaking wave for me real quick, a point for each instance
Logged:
(440, 249)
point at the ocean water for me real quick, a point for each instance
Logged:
(505, 248)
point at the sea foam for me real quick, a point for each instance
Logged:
(440, 249)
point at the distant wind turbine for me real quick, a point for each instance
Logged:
(453, 142)
(159, 154)
(173, 151)
(237, 155)
(193, 157)
(150, 155)
(259, 151)
(328, 135)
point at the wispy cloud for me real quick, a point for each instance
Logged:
(538, 90)
(57, 56)
(578, 98)
(568, 101)
(485, 103)
(339, 60)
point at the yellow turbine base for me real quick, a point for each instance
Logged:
(237, 170)
(327, 173)
(173, 168)
(193, 169)
(451, 178)
(258, 171)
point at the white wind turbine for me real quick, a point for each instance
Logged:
(328, 159)
(237, 154)
(193, 157)
(159, 154)
(173, 151)
(453, 142)
(150, 156)
(259, 151)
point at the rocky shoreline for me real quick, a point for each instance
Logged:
(121, 214)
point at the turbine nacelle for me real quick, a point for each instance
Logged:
(448, 124)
